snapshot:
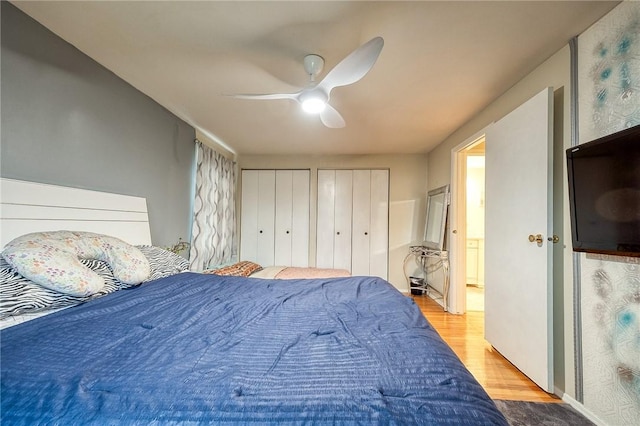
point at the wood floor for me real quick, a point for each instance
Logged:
(465, 335)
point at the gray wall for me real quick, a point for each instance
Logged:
(66, 120)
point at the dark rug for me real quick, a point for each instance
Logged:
(523, 413)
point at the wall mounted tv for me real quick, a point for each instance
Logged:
(604, 194)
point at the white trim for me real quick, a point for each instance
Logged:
(582, 410)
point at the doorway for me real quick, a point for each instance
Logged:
(467, 221)
(474, 229)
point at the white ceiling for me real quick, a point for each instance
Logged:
(441, 64)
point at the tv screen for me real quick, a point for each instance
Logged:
(604, 194)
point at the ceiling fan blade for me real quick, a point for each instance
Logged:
(268, 96)
(353, 67)
(332, 118)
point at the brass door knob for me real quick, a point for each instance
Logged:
(536, 238)
(554, 239)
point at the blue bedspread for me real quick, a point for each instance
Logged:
(203, 349)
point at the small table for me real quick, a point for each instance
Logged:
(441, 257)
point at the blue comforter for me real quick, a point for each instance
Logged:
(204, 349)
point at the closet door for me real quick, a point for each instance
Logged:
(343, 219)
(249, 216)
(292, 218)
(300, 218)
(370, 222)
(333, 249)
(258, 216)
(266, 217)
(361, 222)
(325, 229)
(353, 221)
(284, 208)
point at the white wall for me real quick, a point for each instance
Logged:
(407, 196)
(554, 72)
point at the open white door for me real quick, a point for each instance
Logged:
(518, 272)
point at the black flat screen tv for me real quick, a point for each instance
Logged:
(604, 194)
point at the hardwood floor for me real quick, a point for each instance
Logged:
(465, 335)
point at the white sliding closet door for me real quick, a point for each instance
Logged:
(284, 207)
(275, 217)
(334, 219)
(370, 222)
(258, 214)
(266, 214)
(361, 220)
(353, 211)
(249, 216)
(343, 210)
(325, 230)
(292, 218)
(300, 218)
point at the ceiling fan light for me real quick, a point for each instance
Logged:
(314, 105)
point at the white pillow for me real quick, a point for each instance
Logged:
(51, 259)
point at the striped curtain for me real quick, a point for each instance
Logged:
(213, 236)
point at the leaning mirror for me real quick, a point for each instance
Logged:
(437, 204)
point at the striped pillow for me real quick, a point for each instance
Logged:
(163, 262)
(19, 295)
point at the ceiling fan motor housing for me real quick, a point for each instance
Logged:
(313, 65)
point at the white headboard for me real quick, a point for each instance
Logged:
(33, 207)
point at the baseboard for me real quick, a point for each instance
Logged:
(582, 410)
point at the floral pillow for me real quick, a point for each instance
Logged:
(52, 259)
(240, 269)
(19, 295)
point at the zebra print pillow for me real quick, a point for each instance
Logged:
(163, 262)
(19, 295)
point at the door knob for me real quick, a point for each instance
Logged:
(555, 239)
(536, 238)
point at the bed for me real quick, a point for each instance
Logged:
(246, 268)
(192, 348)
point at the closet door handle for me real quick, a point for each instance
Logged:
(261, 231)
(287, 232)
(366, 233)
(338, 233)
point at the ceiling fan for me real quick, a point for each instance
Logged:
(314, 98)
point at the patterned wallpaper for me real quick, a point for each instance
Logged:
(609, 101)
(609, 73)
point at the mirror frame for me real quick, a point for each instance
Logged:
(436, 218)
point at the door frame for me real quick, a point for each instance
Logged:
(458, 229)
